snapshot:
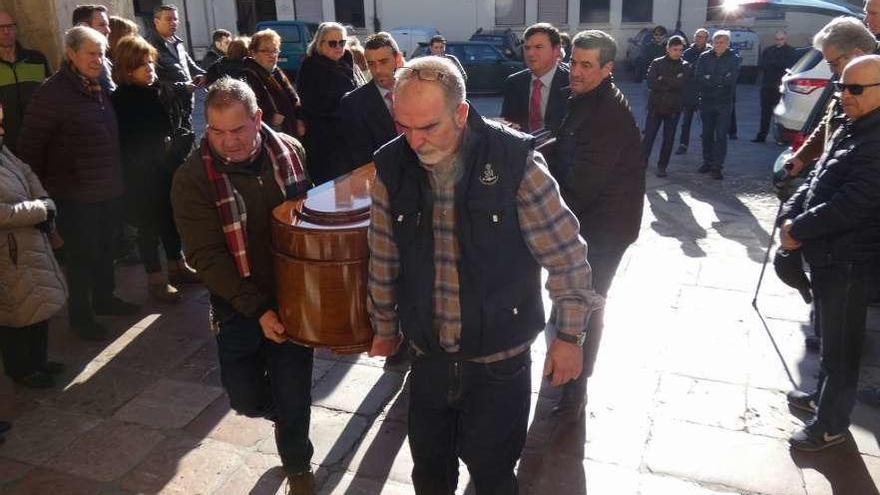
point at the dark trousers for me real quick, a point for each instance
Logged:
(155, 222)
(24, 348)
(653, 123)
(841, 296)
(604, 262)
(732, 131)
(687, 117)
(769, 98)
(473, 411)
(89, 232)
(716, 124)
(268, 380)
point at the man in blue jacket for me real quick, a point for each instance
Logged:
(834, 221)
(691, 102)
(716, 74)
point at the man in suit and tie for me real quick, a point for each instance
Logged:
(535, 98)
(368, 108)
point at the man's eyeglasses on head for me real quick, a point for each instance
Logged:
(854, 89)
(425, 74)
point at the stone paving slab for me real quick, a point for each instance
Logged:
(108, 451)
(44, 432)
(168, 404)
(43, 481)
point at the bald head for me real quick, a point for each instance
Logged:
(8, 31)
(872, 16)
(865, 72)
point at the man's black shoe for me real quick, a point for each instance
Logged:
(704, 168)
(802, 401)
(37, 379)
(682, 149)
(115, 307)
(809, 441)
(52, 368)
(661, 172)
(717, 175)
(90, 330)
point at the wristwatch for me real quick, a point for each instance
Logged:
(577, 340)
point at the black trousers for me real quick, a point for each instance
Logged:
(154, 219)
(687, 117)
(24, 348)
(475, 412)
(769, 98)
(716, 124)
(653, 123)
(841, 294)
(272, 381)
(89, 232)
(604, 261)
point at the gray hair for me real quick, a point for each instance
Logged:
(593, 38)
(701, 30)
(449, 78)
(74, 37)
(323, 29)
(720, 33)
(228, 91)
(845, 34)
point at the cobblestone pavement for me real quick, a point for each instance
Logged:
(687, 399)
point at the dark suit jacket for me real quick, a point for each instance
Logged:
(368, 126)
(515, 107)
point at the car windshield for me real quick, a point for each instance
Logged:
(480, 53)
(289, 34)
(495, 40)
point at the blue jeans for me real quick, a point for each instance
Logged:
(473, 411)
(841, 293)
(669, 123)
(268, 380)
(716, 124)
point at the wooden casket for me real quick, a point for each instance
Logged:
(321, 256)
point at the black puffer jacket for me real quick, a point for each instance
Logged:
(70, 139)
(667, 80)
(600, 166)
(836, 213)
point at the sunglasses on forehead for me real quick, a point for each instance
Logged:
(424, 74)
(335, 43)
(854, 89)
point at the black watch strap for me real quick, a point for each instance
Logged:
(577, 340)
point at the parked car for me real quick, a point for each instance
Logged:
(802, 87)
(295, 38)
(504, 39)
(409, 37)
(486, 67)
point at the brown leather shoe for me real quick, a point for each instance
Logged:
(301, 484)
(164, 293)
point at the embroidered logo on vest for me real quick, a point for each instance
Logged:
(488, 177)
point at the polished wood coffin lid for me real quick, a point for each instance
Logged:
(321, 260)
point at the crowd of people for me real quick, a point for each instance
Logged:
(465, 211)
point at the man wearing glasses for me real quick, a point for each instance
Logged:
(464, 216)
(774, 61)
(834, 220)
(21, 72)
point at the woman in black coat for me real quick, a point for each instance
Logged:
(327, 73)
(153, 146)
(232, 64)
(275, 95)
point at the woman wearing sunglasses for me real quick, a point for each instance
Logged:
(327, 73)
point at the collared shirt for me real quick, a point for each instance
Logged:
(384, 93)
(546, 81)
(550, 231)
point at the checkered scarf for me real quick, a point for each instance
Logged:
(289, 175)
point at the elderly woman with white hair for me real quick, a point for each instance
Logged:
(71, 140)
(327, 73)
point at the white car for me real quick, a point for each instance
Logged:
(409, 37)
(801, 89)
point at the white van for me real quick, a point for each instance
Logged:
(409, 37)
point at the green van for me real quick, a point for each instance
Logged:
(295, 37)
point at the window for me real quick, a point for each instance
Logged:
(553, 11)
(481, 53)
(595, 11)
(510, 12)
(289, 34)
(638, 11)
(145, 7)
(350, 12)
